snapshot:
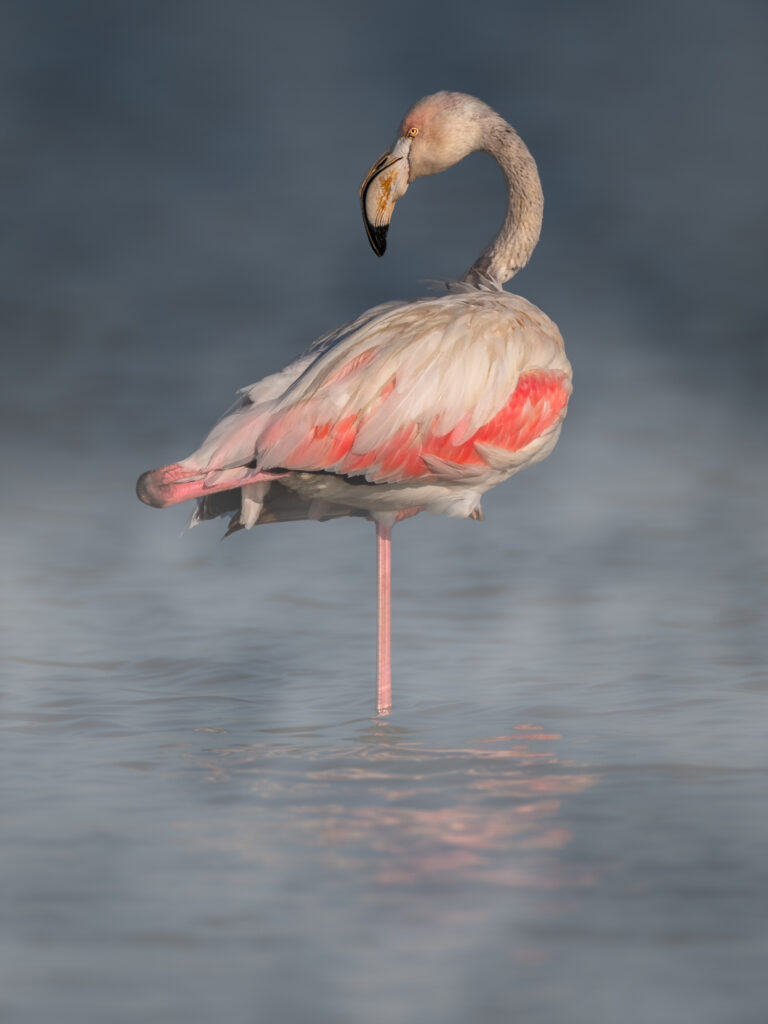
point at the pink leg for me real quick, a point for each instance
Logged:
(384, 685)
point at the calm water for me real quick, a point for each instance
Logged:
(564, 819)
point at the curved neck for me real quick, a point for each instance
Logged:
(512, 247)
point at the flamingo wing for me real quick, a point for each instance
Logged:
(438, 387)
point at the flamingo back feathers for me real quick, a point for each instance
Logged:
(429, 381)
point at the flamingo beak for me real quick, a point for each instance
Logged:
(384, 184)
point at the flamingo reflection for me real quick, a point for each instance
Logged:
(404, 813)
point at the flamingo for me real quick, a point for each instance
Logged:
(413, 406)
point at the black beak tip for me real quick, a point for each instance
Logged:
(378, 238)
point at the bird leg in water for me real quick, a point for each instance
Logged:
(384, 683)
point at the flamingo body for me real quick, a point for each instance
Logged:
(428, 404)
(414, 406)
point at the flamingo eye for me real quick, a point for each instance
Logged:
(412, 131)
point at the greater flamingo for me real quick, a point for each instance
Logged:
(414, 406)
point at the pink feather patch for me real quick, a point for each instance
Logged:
(537, 403)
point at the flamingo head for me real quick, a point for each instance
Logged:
(436, 133)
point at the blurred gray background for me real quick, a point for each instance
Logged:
(202, 817)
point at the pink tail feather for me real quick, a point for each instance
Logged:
(172, 484)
